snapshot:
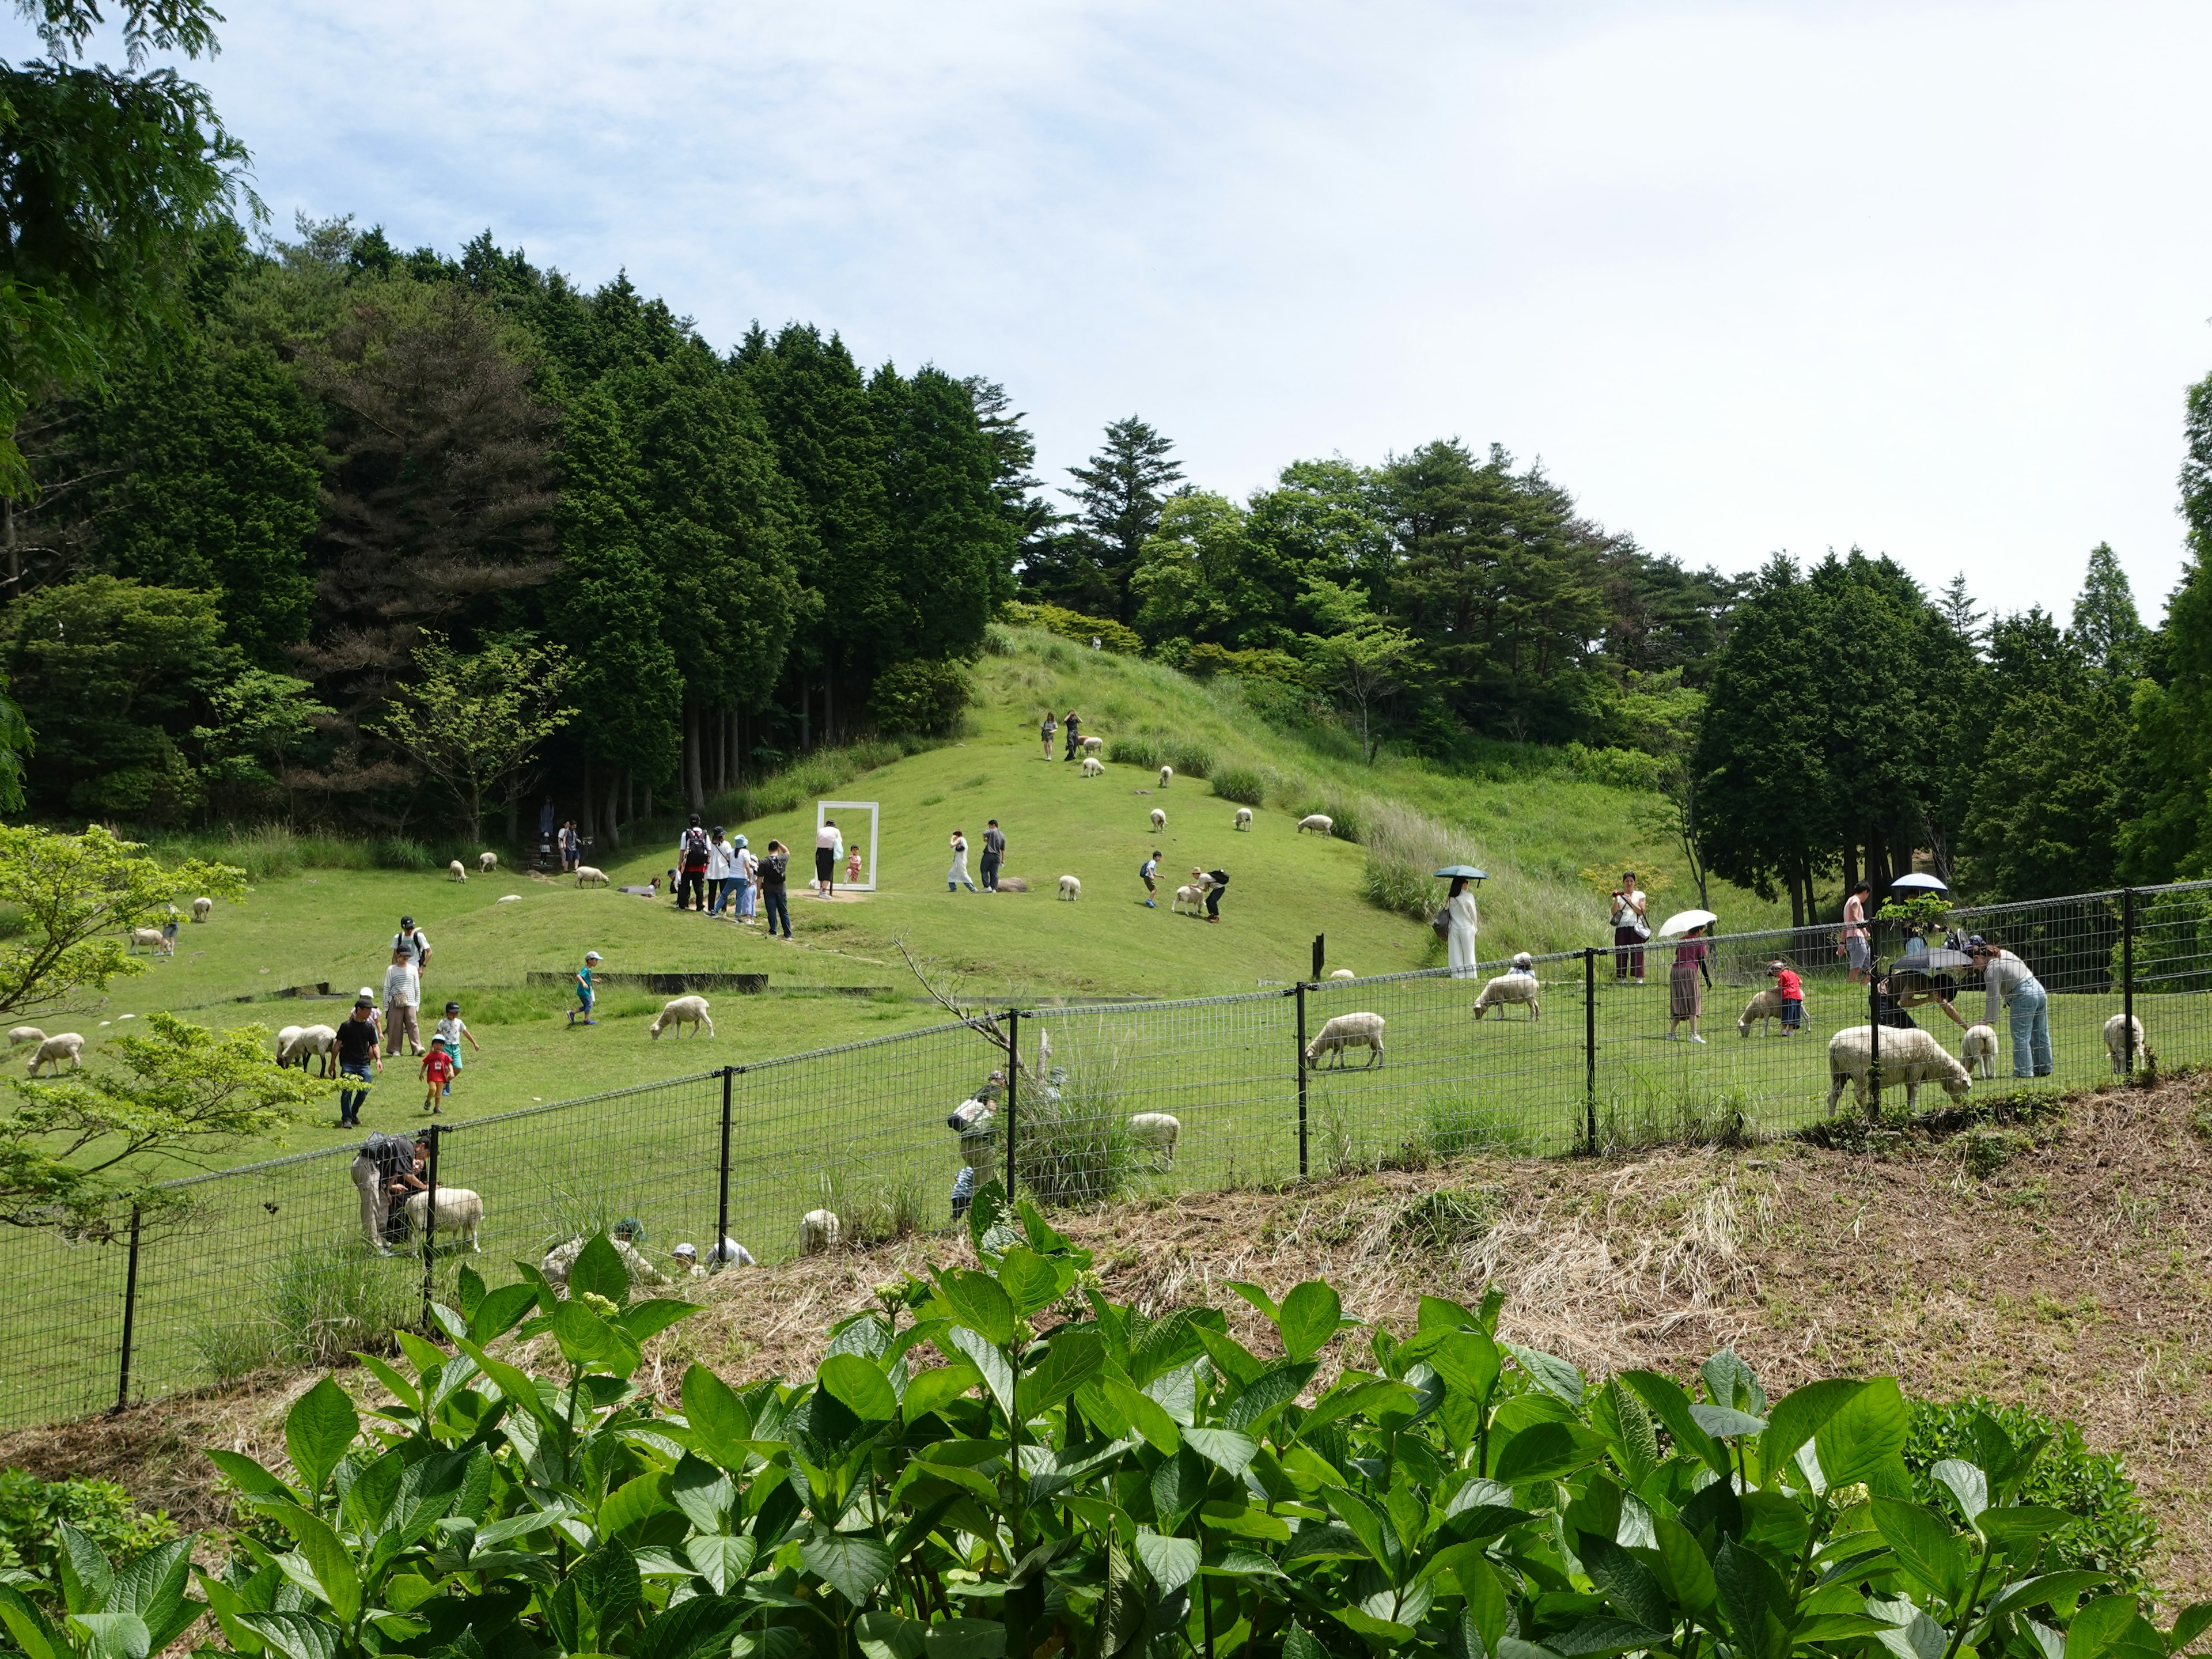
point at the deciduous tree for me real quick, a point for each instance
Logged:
(474, 721)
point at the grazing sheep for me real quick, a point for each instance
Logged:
(1244, 817)
(683, 1010)
(2115, 1044)
(148, 937)
(1346, 1032)
(1320, 822)
(487, 862)
(203, 909)
(586, 875)
(53, 1050)
(1344, 973)
(1070, 888)
(818, 1230)
(1167, 775)
(285, 1039)
(1157, 1132)
(1909, 1056)
(456, 871)
(320, 1041)
(1093, 745)
(1160, 820)
(25, 1034)
(1766, 1005)
(1193, 897)
(1977, 1051)
(1516, 984)
(1092, 766)
(458, 1210)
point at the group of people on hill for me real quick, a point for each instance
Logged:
(375, 1031)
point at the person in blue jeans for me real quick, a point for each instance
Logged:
(2014, 989)
(773, 872)
(359, 1055)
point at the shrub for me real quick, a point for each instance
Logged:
(315, 1305)
(1074, 1145)
(33, 1512)
(1142, 750)
(1191, 760)
(1245, 784)
(1208, 659)
(921, 696)
(1075, 626)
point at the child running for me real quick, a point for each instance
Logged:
(584, 990)
(451, 1030)
(1149, 873)
(437, 1073)
(1792, 988)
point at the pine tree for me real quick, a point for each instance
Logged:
(2107, 629)
(1957, 608)
(1118, 508)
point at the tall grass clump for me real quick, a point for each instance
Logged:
(1191, 760)
(1405, 848)
(315, 1305)
(1245, 784)
(268, 851)
(875, 1212)
(1143, 750)
(1076, 1148)
(1661, 1114)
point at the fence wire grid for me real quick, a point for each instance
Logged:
(277, 1263)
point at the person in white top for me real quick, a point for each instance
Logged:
(2015, 990)
(746, 879)
(829, 847)
(402, 999)
(721, 864)
(1459, 943)
(1631, 927)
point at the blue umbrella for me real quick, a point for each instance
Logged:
(1465, 869)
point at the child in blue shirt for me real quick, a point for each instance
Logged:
(584, 990)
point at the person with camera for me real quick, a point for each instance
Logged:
(1631, 927)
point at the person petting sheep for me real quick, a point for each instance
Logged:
(1791, 989)
(976, 1120)
(385, 1171)
(1219, 884)
(2012, 987)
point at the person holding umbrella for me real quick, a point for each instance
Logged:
(1686, 995)
(1459, 919)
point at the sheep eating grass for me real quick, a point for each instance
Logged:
(1092, 766)
(1518, 986)
(487, 862)
(1909, 1056)
(586, 875)
(818, 1230)
(1167, 775)
(1160, 820)
(148, 937)
(460, 1209)
(203, 909)
(1157, 1132)
(53, 1050)
(1766, 1005)
(1244, 817)
(1070, 888)
(25, 1034)
(1320, 822)
(1977, 1051)
(1346, 1031)
(457, 870)
(1344, 973)
(2116, 1044)
(683, 1010)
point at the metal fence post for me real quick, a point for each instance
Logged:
(130, 1314)
(1320, 943)
(2127, 970)
(1589, 1041)
(1874, 1035)
(722, 1214)
(1301, 1074)
(430, 1231)
(1013, 1084)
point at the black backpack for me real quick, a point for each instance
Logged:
(393, 1155)
(695, 847)
(1145, 871)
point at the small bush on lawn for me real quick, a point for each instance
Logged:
(1245, 784)
(1002, 1461)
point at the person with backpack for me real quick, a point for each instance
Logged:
(1071, 725)
(410, 939)
(384, 1170)
(1220, 879)
(693, 854)
(1149, 873)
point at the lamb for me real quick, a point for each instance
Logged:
(818, 1230)
(148, 937)
(203, 909)
(586, 875)
(1159, 820)
(1244, 817)
(53, 1050)
(25, 1034)
(1167, 775)
(1320, 822)
(1909, 1056)
(683, 1010)
(487, 862)
(1344, 973)
(285, 1039)
(1346, 1032)
(1093, 745)
(2115, 1044)
(456, 871)
(320, 1041)
(1518, 985)
(458, 1210)
(1092, 766)
(1766, 1005)
(1158, 1133)
(1977, 1051)
(1070, 888)
(1193, 897)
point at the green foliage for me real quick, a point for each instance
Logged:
(314, 1304)
(922, 696)
(265, 851)
(1002, 1461)
(1073, 625)
(33, 1512)
(474, 721)
(2110, 1532)
(1245, 784)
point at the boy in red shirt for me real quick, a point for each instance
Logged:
(1793, 996)
(438, 1071)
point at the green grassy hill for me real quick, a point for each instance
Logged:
(1533, 831)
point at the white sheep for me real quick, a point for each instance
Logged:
(1186, 894)
(586, 875)
(1909, 1056)
(1156, 1131)
(1518, 985)
(818, 1230)
(1977, 1051)
(1092, 766)
(1093, 745)
(148, 937)
(285, 1039)
(1244, 817)
(321, 1042)
(2115, 1044)
(1167, 775)
(683, 1010)
(51, 1051)
(1320, 822)
(25, 1034)
(1070, 888)
(1346, 1032)
(1343, 973)
(203, 909)
(1159, 820)
(460, 1210)
(487, 862)
(1766, 1005)
(455, 871)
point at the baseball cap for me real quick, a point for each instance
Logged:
(367, 999)
(592, 955)
(437, 1043)
(453, 1007)
(406, 922)
(684, 1249)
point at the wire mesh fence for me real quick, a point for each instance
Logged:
(301, 1260)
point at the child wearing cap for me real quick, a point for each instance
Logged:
(1792, 989)
(584, 990)
(451, 1030)
(437, 1072)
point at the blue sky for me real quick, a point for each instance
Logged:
(1930, 278)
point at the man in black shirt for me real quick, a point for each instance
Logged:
(359, 1053)
(774, 900)
(1220, 879)
(994, 849)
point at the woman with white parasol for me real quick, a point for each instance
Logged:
(1686, 995)
(1458, 921)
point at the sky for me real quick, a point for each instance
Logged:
(1923, 278)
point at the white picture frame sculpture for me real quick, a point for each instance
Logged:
(823, 809)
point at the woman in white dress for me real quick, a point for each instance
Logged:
(957, 876)
(1459, 944)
